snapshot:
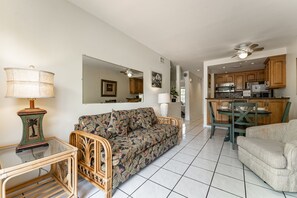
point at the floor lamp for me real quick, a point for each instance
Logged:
(30, 84)
(164, 99)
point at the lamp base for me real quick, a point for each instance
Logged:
(21, 148)
(32, 129)
(164, 109)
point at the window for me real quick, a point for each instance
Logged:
(183, 95)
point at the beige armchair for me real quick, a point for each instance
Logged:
(270, 151)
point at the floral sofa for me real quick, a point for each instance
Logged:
(114, 146)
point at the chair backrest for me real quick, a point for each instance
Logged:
(212, 116)
(244, 114)
(286, 112)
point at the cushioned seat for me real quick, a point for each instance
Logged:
(268, 151)
(169, 130)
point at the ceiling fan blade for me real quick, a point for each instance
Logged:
(252, 46)
(234, 55)
(258, 49)
(249, 53)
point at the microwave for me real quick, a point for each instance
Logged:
(259, 88)
(246, 93)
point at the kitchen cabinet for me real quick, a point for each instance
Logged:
(136, 85)
(275, 106)
(262, 120)
(275, 70)
(224, 78)
(239, 81)
(250, 76)
(260, 75)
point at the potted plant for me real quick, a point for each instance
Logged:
(173, 94)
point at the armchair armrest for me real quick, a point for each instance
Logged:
(270, 132)
(173, 121)
(91, 164)
(290, 153)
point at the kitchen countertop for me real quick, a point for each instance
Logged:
(247, 98)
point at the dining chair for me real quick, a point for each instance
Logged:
(286, 112)
(218, 123)
(244, 115)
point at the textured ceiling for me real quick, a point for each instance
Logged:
(189, 32)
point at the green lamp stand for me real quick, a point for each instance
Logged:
(32, 128)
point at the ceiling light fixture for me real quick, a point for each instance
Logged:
(129, 73)
(242, 54)
(198, 70)
(224, 67)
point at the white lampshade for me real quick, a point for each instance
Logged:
(164, 98)
(29, 83)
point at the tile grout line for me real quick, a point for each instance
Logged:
(214, 171)
(245, 191)
(189, 165)
(148, 179)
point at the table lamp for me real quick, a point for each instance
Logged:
(31, 84)
(164, 99)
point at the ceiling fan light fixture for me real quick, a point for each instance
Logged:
(129, 73)
(242, 54)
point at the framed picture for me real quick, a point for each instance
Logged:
(156, 80)
(108, 88)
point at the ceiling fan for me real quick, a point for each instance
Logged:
(246, 49)
(127, 72)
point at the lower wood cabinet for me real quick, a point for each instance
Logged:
(275, 106)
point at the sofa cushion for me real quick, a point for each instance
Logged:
(268, 151)
(95, 124)
(127, 147)
(118, 125)
(133, 120)
(147, 117)
(168, 129)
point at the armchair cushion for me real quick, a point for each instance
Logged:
(268, 151)
(291, 131)
(290, 153)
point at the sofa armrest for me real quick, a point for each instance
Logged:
(89, 156)
(270, 132)
(290, 153)
(173, 121)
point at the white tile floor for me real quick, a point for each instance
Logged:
(198, 167)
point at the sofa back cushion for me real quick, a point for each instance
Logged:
(119, 123)
(291, 132)
(95, 124)
(147, 117)
(134, 124)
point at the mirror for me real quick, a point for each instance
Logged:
(105, 82)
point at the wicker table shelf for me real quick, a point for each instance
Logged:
(60, 181)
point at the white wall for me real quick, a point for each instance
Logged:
(53, 35)
(195, 86)
(291, 87)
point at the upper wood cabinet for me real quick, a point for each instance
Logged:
(275, 70)
(239, 81)
(136, 85)
(250, 76)
(224, 78)
(261, 75)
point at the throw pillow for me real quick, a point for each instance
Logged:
(118, 125)
(147, 117)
